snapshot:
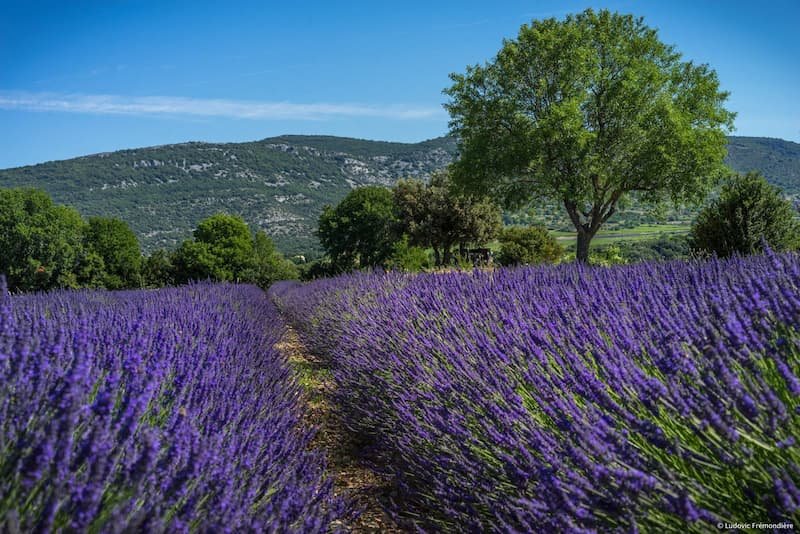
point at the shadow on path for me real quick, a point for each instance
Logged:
(352, 478)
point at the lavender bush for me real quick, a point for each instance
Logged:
(662, 397)
(153, 411)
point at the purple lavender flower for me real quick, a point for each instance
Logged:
(165, 410)
(648, 397)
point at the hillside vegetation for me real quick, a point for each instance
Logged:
(777, 159)
(280, 184)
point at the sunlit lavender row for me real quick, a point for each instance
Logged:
(661, 397)
(153, 411)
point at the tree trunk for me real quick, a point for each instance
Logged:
(437, 256)
(448, 257)
(582, 250)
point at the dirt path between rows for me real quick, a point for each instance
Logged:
(351, 476)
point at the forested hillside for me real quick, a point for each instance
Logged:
(278, 184)
(777, 159)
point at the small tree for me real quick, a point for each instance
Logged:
(521, 245)
(222, 249)
(587, 111)
(361, 230)
(269, 265)
(435, 215)
(117, 245)
(748, 213)
(158, 270)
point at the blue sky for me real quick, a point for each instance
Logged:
(85, 77)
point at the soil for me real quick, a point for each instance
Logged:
(353, 478)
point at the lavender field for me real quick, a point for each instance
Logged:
(153, 411)
(656, 397)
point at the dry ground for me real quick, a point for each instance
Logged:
(352, 477)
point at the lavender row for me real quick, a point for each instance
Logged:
(153, 411)
(660, 397)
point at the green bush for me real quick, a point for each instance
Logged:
(408, 258)
(607, 256)
(748, 213)
(117, 245)
(520, 245)
(269, 264)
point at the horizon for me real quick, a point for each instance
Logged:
(359, 71)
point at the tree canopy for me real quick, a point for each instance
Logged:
(49, 246)
(158, 269)
(224, 249)
(41, 242)
(360, 231)
(748, 213)
(436, 215)
(587, 111)
(117, 245)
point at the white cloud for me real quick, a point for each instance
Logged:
(204, 107)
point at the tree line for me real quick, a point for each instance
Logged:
(416, 225)
(411, 227)
(46, 246)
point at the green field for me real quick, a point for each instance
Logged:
(643, 232)
(638, 233)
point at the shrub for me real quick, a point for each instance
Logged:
(408, 258)
(528, 246)
(748, 214)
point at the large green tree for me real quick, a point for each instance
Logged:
(114, 242)
(587, 111)
(40, 242)
(361, 230)
(748, 213)
(436, 215)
